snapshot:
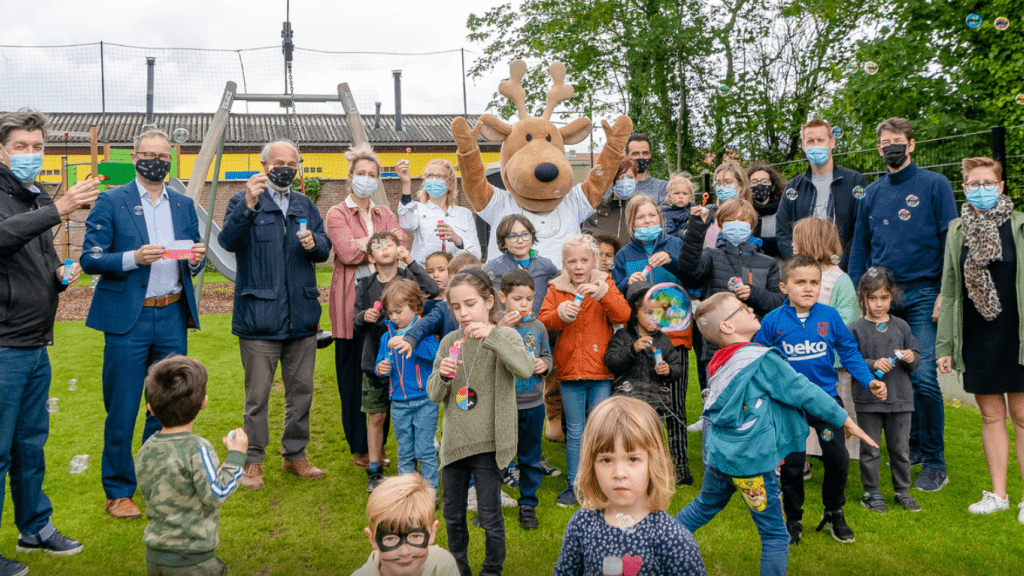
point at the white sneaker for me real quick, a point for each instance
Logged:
(696, 426)
(1020, 516)
(471, 499)
(989, 504)
(508, 501)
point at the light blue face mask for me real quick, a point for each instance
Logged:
(625, 188)
(817, 155)
(26, 167)
(736, 232)
(725, 192)
(984, 198)
(435, 188)
(648, 234)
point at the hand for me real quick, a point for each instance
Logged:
(572, 310)
(944, 364)
(908, 356)
(539, 366)
(402, 170)
(642, 343)
(510, 319)
(445, 232)
(743, 292)
(699, 212)
(877, 388)
(662, 368)
(240, 443)
(448, 367)
(359, 243)
(76, 271)
(400, 346)
(371, 315)
(255, 186)
(616, 135)
(384, 367)
(148, 254)
(636, 277)
(81, 195)
(937, 308)
(659, 259)
(306, 239)
(588, 289)
(200, 250)
(478, 330)
(466, 138)
(883, 365)
(853, 430)
(403, 255)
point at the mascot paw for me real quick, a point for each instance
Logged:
(622, 129)
(465, 137)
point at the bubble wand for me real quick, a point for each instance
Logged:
(899, 356)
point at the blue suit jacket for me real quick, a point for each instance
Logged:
(114, 227)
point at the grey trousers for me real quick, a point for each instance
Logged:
(897, 440)
(260, 358)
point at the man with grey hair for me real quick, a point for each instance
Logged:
(143, 240)
(33, 275)
(277, 237)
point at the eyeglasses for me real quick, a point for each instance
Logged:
(742, 307)
(435, 176)
(761, 182)
(152, 155)
(974, 185)
(525, 237)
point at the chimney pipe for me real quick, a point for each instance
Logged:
(398, 99)
(376, 117)
(150, 65)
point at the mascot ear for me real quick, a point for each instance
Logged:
(576, 131)
(492, 129)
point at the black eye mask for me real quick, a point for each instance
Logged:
(388, 541)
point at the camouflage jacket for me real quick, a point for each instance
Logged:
(184, 488)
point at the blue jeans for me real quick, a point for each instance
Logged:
(158, 333)
(579, 398)
(763, 498)
(531, 423)
(415, 428)
(24, 427)
(929, 413)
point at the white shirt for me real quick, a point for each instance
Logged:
(552, 227)
(422, 219)
(164, 275)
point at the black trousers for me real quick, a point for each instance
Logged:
(455, 486)
(837, 463)
(675, 420)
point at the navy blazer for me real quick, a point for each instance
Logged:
(114, 227)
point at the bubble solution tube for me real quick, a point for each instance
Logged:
(68, 265)
(898, 355)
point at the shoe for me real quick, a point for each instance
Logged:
(510, 476)
(56, 545)
(548, 469)
(989, 504)
(374, 480)
(931, 480)
(385, 460)
(795, 529)
(437, 446)
(361, 460)
(1020, 515)
(252, 476)
(807, 470)
(476, 521)
(567, 498)
(9, 567)
(915, 457)
(123, 509)
(553, 430)
(683, 477)
(835, 521)
(696, 426)
(874, 501)
(302, 468)
(471, 499)
(508, 502)
(528, 518)
(907, 501)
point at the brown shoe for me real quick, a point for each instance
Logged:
(252, 476)
(361, 460)
(123, 509)
(302, 468)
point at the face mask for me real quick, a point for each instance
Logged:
(624, 188)
(895, 155)
(726, 192)
(282, 177)
(736, 232)
(642, 164)
(761, 192)
(818, 155)
(364, 186)
(389, 541)
(26, 167)
(435, 188)
(984, 197)
(152, 169)
(649, 234)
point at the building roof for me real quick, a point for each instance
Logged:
(258, 129)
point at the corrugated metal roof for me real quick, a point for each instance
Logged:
(257, 129)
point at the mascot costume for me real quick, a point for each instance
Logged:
(538, 179)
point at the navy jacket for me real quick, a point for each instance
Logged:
(115, 228)
(633, 258)
(276, 297)
(676, 218)
(843, 210)
(542, 270)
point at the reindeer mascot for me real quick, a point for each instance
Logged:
(538, 180)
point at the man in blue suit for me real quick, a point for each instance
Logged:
(143, 303)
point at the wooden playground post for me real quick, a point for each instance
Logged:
(106, 151)
(94, 151)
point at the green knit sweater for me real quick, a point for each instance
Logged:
(489, 370)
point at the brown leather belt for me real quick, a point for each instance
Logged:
(161, 301)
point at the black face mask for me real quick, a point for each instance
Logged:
(388, 541)
(895, 155)
(761, 192)
(153, 169)
(282, 176)
(642, 164)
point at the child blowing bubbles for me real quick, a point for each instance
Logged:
(625, 484)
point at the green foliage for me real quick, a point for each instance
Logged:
(313, 186)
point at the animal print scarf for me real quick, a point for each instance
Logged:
(981, 237)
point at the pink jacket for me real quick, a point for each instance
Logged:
(343, 224)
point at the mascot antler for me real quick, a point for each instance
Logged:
(560, 91)
(513, 87)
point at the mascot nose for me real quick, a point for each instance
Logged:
(546, 172)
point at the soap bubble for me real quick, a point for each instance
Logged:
(837, 132)
(180, 135)
(138, 211)
(872, 272)
(870, 68)
(858, 192)
(881, 326)
(598, 170)
(735, 283)
(723, 89)
(1002, 23)
(955, 403)
(791, 194)
(79, 464)
(624, 521)
(904, 214)
(913, 201)
(851, 67)
(51, 405)
(73, 384)
(231, 435)
(886, 221)
(834, 260)
(96, 252)
(674, 311)
(1020, 99)
(973, 21)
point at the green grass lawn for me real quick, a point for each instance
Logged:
(299, 527)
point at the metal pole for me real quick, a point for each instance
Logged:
(103, 95)
(398, 99)
(209, 216)
(465, 105)
(150, 65)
